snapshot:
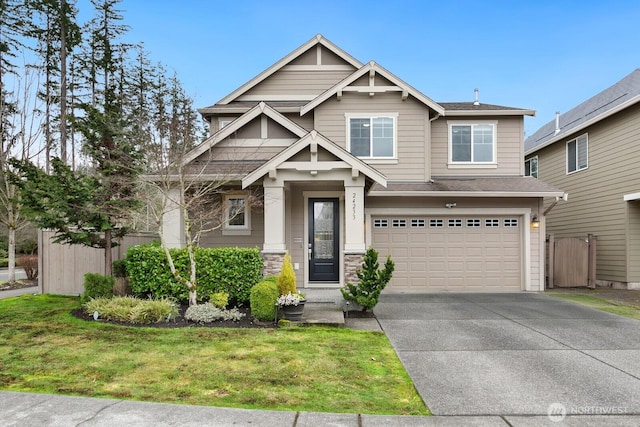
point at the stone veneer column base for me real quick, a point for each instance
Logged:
(352, 263)
(272, 263)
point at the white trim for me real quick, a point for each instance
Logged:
(371, 115)
(566, 156)
(225, 121)
(631, 197)
(463, 194)
(280, 97)
(525, 213)
(454, 113)
(306, 195)
(472, 165)
(257, 142)
(336, 67)
(235, 230)
(530, 159)
(494, 124)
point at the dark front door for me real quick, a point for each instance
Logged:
(324, 255)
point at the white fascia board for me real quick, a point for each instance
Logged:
(464, 194)
(453, 113)
(631, 197)
(596, 119)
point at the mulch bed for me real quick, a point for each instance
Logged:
(19, 284)
(246, 322)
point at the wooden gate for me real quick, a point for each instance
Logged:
(571, 262)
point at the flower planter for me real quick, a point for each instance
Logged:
(293, 312)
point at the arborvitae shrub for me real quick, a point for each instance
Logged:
(263, 300)
(287, 277)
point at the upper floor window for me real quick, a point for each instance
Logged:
(372, 136)
(531, 167)
(472, 143)
(237, 216)
(577, 154)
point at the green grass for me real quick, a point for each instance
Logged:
(600, 303)
(45, 349)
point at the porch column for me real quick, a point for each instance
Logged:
(274, 214)
(354, 230)
(173, 220)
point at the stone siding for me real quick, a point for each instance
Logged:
(352, 263)
(272, 263)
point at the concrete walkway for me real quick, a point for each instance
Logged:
(42, 410)
(515, 354)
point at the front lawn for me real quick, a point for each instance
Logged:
(45, 349)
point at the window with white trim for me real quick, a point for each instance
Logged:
(436, 223)
(399, 223)
(578, 154)
(472, 143)
(417, 223)
(236, 215)
(492, 222)
(224, 121)
(372, 136)
(472, 223)
(380, 223)
(455, 223)
(531, 167)
(511, 222)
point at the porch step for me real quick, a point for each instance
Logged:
(321, 314)
(323, 295)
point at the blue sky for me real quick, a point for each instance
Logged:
(542, 55)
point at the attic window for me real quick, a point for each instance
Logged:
(372, 136)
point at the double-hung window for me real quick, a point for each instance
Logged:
(472, 143)
(372, 136)
(237, 216)
(578, 154)
(531, 167)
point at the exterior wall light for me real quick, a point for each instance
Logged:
(535, 223)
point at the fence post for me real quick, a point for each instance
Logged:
(591, 278)
(551, 258)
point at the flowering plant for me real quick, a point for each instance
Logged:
(290, 299)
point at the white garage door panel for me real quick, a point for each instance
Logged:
(460, 254)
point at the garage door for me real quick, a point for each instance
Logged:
(443, 253)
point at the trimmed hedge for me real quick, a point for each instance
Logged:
(231, 270)
(263, 300)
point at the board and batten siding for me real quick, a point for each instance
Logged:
(412, 130)
(596, 194)
(509, 147)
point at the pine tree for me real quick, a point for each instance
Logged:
(371, 282)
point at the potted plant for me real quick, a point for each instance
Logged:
(292, 305)
(290, 301)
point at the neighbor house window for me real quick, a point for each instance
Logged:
(373, 136)
(531, 167)
(237, 216)
(577, 154)
(472, 143)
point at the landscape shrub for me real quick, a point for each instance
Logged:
(97, 286)
(4, 262)
(206, 313)
(30, 265)
(133, 310)
(219, 299)
(372, 281)
(119, 268)
(3, 253)
(231, 270)
(287, 277)
(263, 300)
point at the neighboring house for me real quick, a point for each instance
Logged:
(348, 156)
(591, 152)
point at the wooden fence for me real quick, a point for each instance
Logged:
(61, 268)
(571, 262)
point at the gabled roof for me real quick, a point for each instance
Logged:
(318, 39)
(232, 127)
(314, 140)
(621, 95)
(372, 67)
(478, 109)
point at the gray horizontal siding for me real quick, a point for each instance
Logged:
(288, 82)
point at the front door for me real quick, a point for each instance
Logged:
(324, 242)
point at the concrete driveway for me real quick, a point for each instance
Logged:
(514, 354)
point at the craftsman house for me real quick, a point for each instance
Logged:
(591, 152)
(347, 156)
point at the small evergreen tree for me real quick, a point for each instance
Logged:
(287, 277)
(372, 281)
